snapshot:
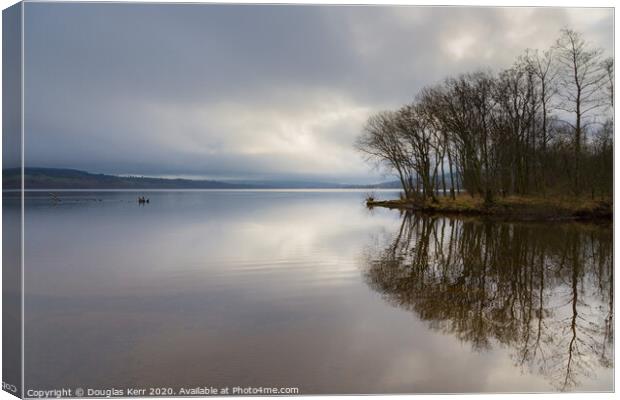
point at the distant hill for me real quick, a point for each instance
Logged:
(56, 178)
(59, 178)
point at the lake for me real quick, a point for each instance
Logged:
(309, 289)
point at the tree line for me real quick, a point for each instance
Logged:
(542, 126)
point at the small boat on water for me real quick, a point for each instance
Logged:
(143, 200)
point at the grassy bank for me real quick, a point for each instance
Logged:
(510, 207)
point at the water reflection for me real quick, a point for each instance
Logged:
(545, 292)
(256, 288)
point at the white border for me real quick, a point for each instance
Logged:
(480, 3)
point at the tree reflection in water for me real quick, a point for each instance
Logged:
(545, 291)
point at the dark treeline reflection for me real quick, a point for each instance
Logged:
(545, 292)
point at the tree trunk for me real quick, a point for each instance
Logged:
(451, 176)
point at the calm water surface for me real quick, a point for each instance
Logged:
(311, 290)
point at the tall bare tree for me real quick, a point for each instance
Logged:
(582, 81)
(546, 71)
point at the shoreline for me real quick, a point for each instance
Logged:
(509, 208)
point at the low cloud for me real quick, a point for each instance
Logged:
(235, 91)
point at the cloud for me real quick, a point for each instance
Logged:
(247, 91)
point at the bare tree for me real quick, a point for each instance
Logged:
(416, 131)
(582, 80)
(547, 73)
(381, 142)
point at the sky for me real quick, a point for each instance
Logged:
(251, 91)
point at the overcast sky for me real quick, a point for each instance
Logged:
(251, 92)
